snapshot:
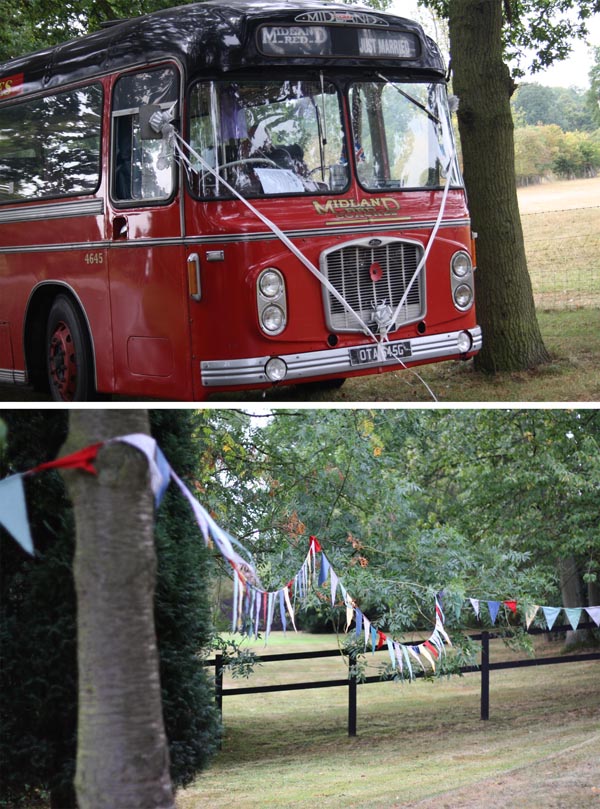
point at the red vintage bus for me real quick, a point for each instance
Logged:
(229, 196)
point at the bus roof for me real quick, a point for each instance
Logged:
(206, 37)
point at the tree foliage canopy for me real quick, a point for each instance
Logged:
(483, 503)
(540, 31)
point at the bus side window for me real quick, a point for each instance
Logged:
(50, 146)
(139, 170)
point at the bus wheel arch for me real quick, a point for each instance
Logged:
(58, 345)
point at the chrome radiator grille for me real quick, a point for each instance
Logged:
(370, 272)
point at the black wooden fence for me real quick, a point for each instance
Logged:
(351, 682)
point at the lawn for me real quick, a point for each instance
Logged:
(419, 744)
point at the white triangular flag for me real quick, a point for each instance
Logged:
(13, 511)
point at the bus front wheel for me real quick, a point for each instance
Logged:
(68, 354)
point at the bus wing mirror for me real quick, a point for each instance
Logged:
(152, 120)
(147, 130)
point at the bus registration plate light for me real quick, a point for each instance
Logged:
(368, 355)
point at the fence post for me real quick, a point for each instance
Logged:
(485, 675)
(219, 692)
(352, 694)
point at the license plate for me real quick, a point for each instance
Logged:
(367, 355)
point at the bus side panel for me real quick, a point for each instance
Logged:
(65, 256)
(150, 323)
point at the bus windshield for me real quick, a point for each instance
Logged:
(398, 134)
(267, 138)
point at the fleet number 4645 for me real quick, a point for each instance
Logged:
(93, 258)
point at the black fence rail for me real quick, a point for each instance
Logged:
(352, 681)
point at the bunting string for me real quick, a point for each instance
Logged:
(254, 608)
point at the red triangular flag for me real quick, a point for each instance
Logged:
(512, 606)
(83, 459)
(315, 545)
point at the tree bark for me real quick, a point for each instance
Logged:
(505, 306)
(572, 594)
(122, 753)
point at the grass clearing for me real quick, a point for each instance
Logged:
(418, 744)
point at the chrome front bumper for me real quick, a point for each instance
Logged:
(331, 361)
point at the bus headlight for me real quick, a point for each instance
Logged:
(271, 301)
(463, 296)
(461, 280)
(461, 264)
(270, 283)
(272, 319)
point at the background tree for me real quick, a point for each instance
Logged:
(482, 40)
(486, 504)
(37, 24)
(568, 108)
(593, 97)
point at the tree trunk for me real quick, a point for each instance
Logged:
(122, 754)
(572, 594)
(505, 306)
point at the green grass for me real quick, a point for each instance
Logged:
(573, 375)
(419, 742)
(562, 256)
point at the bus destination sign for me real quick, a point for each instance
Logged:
(295, 40)
(325, 40)
(397, 44)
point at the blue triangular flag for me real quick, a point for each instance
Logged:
(13, 512)
(165, 476)
(550, 614)
(493, 607)
(573, 614)
(282, 611)
(359, 622)
(324, 570)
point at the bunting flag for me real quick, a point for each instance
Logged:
(530, 614)
(530, 611)
(550, 614)
(594, 613)
(493, 607)
(13, 511)
(573, 615)
(254, 607)
(82, 459)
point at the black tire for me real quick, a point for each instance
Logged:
(69, 362)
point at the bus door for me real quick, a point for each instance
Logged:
(147, 270)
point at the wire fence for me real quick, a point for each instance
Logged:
(563, 257)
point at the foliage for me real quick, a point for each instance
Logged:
(535, 104)
(182, 611)
(593, 97)
(543, 28)
(37, 24)
(545, 151)
(481, 503)
(37, 623)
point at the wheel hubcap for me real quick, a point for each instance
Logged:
(63, 362)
